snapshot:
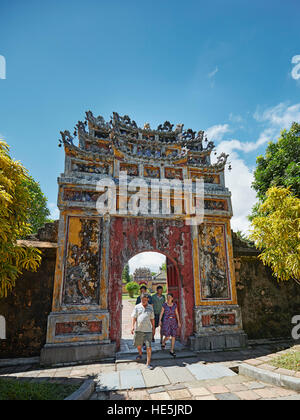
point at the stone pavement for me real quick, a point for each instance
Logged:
(176, 379)
(191, 376)
(127, 308)
(228, 388)
(141, 377)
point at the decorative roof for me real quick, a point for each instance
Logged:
(123, 139)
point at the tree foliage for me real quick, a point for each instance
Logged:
(281, 164)
(15, 201)
(163, 267)
(125, 274)
(276, 231)
(38, 212)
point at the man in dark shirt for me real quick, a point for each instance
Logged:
(157, 301)
(143, 290)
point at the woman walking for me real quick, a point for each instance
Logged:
(170, 322)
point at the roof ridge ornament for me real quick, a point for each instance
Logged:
(122, 138)
(66, 138)
(97, 121)
(125, 121)
(167, 127)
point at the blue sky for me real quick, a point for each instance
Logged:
(222, 66)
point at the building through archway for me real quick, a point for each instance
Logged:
(127, 190)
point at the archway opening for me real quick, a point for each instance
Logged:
(151, 269)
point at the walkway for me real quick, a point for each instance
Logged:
(191, 376)
(184, 378)
(161, 376)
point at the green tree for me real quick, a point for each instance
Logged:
(14, 203)
(276, 231)
(132, 288)
(279, 167)
(38, 213)
(125, 274)
(163, 267)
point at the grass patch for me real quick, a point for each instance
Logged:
(14, 390)
(289, 361)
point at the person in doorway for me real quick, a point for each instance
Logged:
(169, 321)
(158, 300)
(143, 328)
(143, 290)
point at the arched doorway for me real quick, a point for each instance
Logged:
(167, 277)
(129, 237)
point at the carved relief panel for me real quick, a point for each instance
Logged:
(213, 261)
(82, 262)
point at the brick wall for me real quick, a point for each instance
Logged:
(27, 307)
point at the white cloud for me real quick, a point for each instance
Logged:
(239, 181)
(240, 178)
(216, 132)
(213, 73)
(275, 119)
(54, 212)
(280, 116)
(151, 260)
(235, 118)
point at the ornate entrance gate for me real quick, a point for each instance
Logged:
(127, 190)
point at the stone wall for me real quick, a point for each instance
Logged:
(27, 307)
(267, 305)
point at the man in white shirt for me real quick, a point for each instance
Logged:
(143, 327)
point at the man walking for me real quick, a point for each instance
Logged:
(143, 291)
(143, 327)
(158, 300)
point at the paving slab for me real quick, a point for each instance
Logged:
(227, 397)
(156, 390)
(131, 379)
(221, 371)
(177, 374)
(201, 372)
(108, 381)
(213, 371)
(154, 378)
(175, 387)
(179, 394)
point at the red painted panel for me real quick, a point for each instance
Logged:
(218, 319)
(130, 236)
(80, 327)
